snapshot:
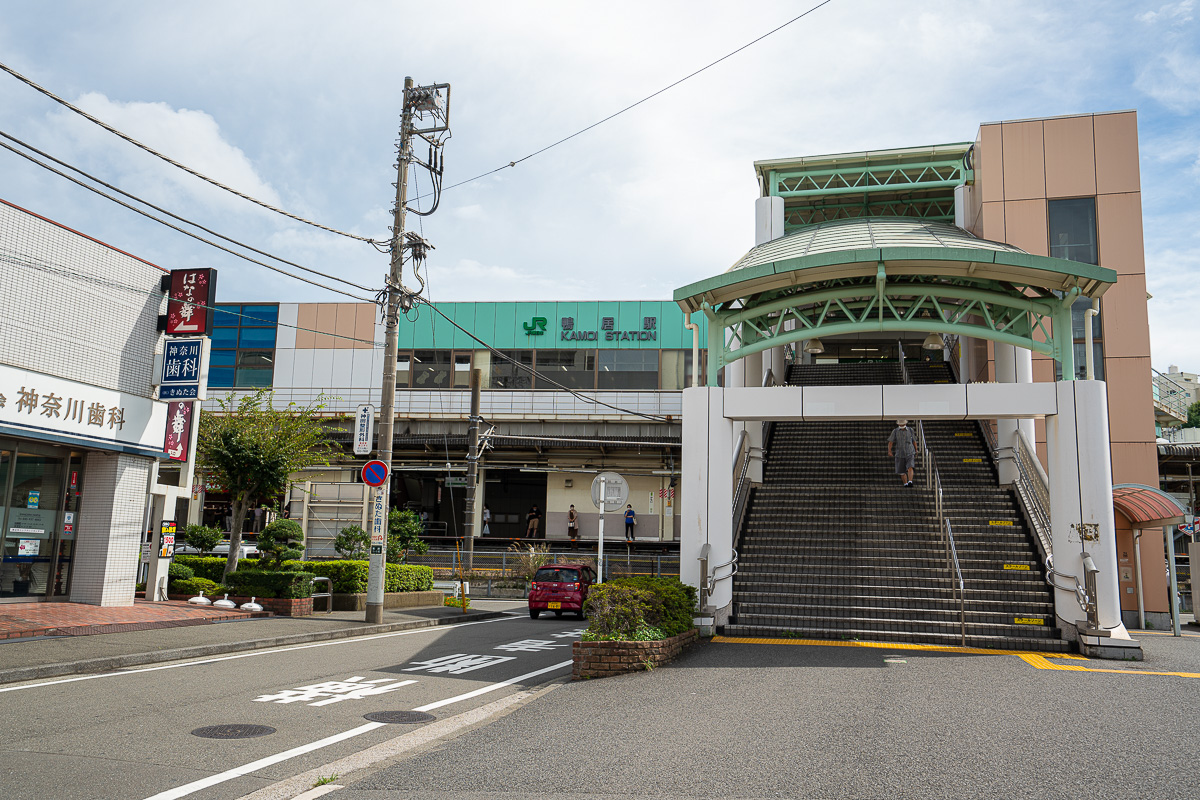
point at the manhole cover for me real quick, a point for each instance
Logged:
(399, 717)
(233, 731)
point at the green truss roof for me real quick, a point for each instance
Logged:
(855, 248)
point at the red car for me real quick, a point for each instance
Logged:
(559, 588)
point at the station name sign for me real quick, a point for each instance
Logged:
(608, 331)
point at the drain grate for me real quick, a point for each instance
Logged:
(399, 717)
(233, 731)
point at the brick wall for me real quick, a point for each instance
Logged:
(602, 659)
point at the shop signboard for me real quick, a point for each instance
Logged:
(378, 521)
(36, 404)
(190, 298)
(167, 539)
(364, 429)
(182, 367)
(28, 547)
(179, 430)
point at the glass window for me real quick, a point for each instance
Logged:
(220, 377)
(1081, 365)
(627, 369)
(462, 370)
(575, 369)
(431, 369)
(260, 315)
(256, 358)
(250, 377)
(224, 337)
(1072, 228)
(222, 358)
(507, 375)
(676, 369)
(257, 337)
(1078, 318)
(403, 368)
(228, 316)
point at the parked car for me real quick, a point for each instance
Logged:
(245, 550)
(560, 588)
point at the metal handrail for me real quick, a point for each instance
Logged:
(962, 587)
(1171, 403)
(741, 486)
(1033, 490)
(327, 595)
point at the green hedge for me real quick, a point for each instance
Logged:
(640, 608)
(678, 601)
(284, 583)
(193, 587)
(348, 577)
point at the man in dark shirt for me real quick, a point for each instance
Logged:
(535, 517)
(905, 452)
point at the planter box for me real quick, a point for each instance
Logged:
(602, 659)
(358, 602)
(281, 606)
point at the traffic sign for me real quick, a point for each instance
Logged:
(375, 473)
(616, 491)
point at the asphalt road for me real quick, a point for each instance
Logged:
(127, 734)
(794, 721)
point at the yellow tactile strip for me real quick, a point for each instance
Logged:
(1038, 660)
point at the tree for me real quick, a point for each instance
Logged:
(404, 534)
(279, 539)
(251, 448)
(203, 538)
(352, 543)
(1193, 415)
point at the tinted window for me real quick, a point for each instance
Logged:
(553, 575)
(627, 369)
(1072, 227)
(507, 375)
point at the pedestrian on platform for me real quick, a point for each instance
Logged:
(534, 518)
(573, 527)
(487, 520)
(630, 523)
(902, 449)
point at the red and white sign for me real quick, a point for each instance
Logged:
(190, 300)
(179, 430)
(375, 473)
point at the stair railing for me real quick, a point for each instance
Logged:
(933, 480)
(903, 366)
(962, 587)
(1033, 490)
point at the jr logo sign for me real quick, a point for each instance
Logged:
(535, 326)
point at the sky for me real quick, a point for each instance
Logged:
(298, 104)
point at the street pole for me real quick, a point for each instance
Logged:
(600, 553)
(377, 566)
(472, 465)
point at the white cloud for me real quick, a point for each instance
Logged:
(1171, 12)
(1173, 79)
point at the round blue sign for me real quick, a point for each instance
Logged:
(375, 473)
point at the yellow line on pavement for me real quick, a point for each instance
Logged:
(929, 648)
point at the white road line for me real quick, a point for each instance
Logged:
(237, 772)
(492, 688)
(253, 654)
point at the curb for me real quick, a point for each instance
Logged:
(199, 651)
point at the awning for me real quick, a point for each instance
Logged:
(1147, 507)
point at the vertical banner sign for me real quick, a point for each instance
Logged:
(378, 521)
(190, 301)
(180, 379)
(179, 430)
(364, 429)
(167, 542)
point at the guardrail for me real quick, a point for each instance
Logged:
(1170, 396)
(502, 563)
(327, 595)
(1033, 491)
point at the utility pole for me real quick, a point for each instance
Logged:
(421, 102)
(472, 465)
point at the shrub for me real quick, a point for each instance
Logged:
(179, 572)
(286, 583)
(193, 587)
(202, 537)
(277, 542)
(404, 534)
(352, 543)
(640, 609)
(350, 577)
(210, 567)
(527, 559)
(455, 602)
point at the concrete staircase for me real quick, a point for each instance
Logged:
(833, 547)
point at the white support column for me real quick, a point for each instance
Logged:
(768, 219)
(706, 489)
(1006, 429)
(752, 374)
(1081, 492)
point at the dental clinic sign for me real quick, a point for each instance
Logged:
(44, 406)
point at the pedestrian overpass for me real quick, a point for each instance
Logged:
(886, 278)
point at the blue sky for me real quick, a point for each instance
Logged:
(298, 103)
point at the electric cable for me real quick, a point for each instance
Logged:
(632, 106)
(161, 210)
(177, 228)
(22, 260)
(174, 163)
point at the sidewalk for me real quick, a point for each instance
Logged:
(59, 641)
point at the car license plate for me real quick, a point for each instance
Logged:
(553, 605)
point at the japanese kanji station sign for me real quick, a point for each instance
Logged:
(191, 294)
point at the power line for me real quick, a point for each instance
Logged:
(174, 163)
(209, 242)
(535, 373)
(137, 199)
(512, 164)
(29, 262)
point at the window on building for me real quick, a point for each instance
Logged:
(1072, 226)
(243, 346)
(627, 369)
(1079, 341)
(403, 369)
(507, 375)
(677, 369)
(575, 369)
(431, 369)
(462, 370)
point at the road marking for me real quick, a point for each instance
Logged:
(237, 772)
(254, 654)
(457, 664)
(353, 688)
(1041, 663)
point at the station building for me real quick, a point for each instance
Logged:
(569, 389)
